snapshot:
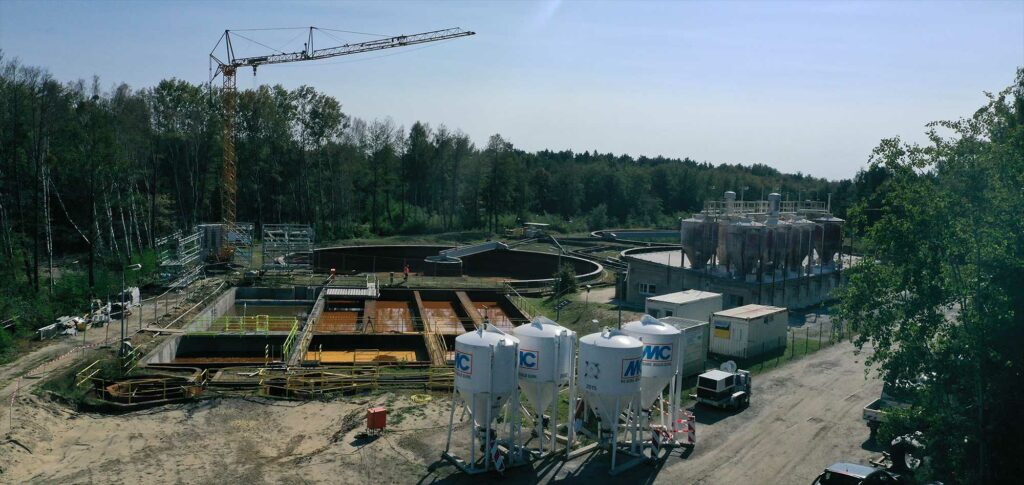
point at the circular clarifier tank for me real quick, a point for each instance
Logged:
(519, 268)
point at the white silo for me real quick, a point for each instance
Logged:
(486, 364)
(547, 353)
(660, 356)
(661, 369)
(609, 379)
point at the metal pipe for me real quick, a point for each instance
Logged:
(487, 426)
(570, 432)
(615, 432)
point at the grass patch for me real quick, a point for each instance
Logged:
(68, 385)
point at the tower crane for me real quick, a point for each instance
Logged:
(229, 65)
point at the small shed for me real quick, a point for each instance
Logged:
(749, 330)
(691, 304)
(693, 342)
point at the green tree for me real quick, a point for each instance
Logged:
(939, 294)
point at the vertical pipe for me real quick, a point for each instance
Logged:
(487, 425)
(558, 383)
(513, 423)
(570, 432)
(615, 432)
(472, 433)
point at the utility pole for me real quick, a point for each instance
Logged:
(124, 330)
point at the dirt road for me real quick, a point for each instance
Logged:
(804, 416)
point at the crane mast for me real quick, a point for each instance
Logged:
(227, 68)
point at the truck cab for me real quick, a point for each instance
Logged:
(724, 389)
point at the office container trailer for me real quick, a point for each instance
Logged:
(691, 304)
(749, 330)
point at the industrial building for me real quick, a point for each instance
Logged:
(773, 252)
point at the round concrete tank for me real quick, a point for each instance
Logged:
(661, 355)
(485, 370)
(774, 205)
(699, 238)
(609, 373)
(730, 201)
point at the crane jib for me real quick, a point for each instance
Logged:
(347, 49)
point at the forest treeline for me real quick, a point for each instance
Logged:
(98, 173)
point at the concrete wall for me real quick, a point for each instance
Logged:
(223, 305)
(791, 293)
(512, 264)
(300, 293)
(164, 353)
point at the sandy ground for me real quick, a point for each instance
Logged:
(803, 416)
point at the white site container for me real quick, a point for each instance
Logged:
(693, 343)
(691, 304)
(749, 330)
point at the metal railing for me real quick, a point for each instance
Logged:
(410, 325)
(721, 207)
(250, 324)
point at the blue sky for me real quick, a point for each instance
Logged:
(808, 86)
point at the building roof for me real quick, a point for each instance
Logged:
(715, 374)
(682, 323)
(748, 312)
(684, 296)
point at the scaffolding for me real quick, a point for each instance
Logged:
(179, 255)
(239, 236)
(287, 247)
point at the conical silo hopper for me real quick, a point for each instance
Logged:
(800, 243)
(698, 236)
(828, 237)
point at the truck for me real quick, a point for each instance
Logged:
(893, 396)
(726, 388)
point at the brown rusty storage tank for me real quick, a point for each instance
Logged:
(777, 234)
(699, 238)
(799, 243)
(828, 237)
(744, 245)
